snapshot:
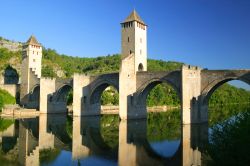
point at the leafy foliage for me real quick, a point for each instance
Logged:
(230, 141)
(47, 71)
(110, 129)
(72, 65)
(5, 123)
(221, 113)
(110, 97)
(160, 65)
(163, 94)
(6, 55)
(164, 125)
(6, 98)
(228, 94)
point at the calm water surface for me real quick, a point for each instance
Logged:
(62, 140)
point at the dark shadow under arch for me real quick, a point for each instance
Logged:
(35, 93)
(62, 93)
(34, 96)
(10, 75)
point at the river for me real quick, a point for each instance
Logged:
(105, 140)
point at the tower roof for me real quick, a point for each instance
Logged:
(134, 17)
(32, 40)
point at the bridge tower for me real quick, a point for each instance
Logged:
(134, 41)
(134, 59)
(31, 67)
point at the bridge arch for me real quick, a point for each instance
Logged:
(99, 87)
(10, 75)
(140, 67)
(62, 92)
(215, 84)
(145, 89)
(34, 96)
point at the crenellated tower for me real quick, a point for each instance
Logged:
(32, 52)
(31, 68)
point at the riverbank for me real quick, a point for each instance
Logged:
(227, 104)
(17, 111)
(115, 109)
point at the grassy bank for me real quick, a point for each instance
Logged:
(6, 98)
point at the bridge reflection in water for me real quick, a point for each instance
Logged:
(48, 132)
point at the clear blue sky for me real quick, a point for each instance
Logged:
(213, 34)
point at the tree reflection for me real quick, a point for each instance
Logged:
(229, 141)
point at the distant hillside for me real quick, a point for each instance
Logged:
(10, 45)
(68, 65)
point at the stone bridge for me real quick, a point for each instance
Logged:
(197, 87)
(53, 98)
(88, 89)
(87, 92)
(145, 82)
(193, 85)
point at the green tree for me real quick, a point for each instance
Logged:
(229, 143)
(47, 71)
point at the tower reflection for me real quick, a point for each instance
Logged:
(28, 142)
